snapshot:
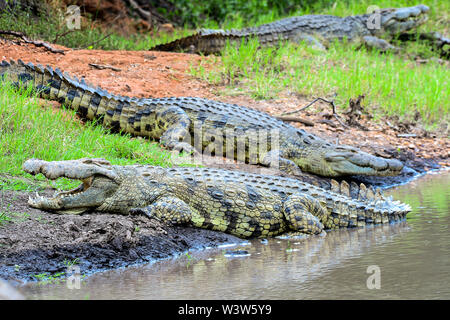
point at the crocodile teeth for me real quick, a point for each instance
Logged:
(34, 202)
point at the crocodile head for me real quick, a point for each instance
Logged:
(330, 160)
(103, 187)
(397, 20)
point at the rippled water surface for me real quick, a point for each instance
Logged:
(413, 260)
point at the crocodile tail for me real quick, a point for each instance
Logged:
(188, 43)
(354, 191)
(117, 113)
(354, 213)
(207, 41)
(360, 205)
(52, 84)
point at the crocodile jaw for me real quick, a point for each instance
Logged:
(396, 21)
(90, 194)
(346, 160)
(367, 165)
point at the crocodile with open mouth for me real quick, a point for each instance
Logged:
(242, 204)
(317, 30)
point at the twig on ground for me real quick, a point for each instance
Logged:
(330, 102)
(355, 112)
(95, 42)
(35, 43)
(104, 66)
(60, 35)
(295, 119)
(391, 126)
(307, 106)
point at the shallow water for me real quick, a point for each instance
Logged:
(408, 260)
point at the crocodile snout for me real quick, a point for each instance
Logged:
(356, 162)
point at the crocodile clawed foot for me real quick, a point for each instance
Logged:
(138, 211)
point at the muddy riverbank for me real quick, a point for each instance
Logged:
(35, 242)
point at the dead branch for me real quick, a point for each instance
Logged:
(104, 66)
(149, 15)
(330, 102)
(355, 112)
(144, 14)
(35, 43)
(307, 106)
(60, 35)
(295, 119)
(407, 135)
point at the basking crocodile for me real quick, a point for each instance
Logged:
(318, 30)
(213, 127)
(243, 204)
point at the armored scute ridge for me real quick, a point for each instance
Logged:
(317, 30)
(243, 204)
(196, 124)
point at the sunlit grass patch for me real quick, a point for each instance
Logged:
(393, 84)
(28, 130)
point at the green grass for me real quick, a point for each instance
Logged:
(4, 217)
(28, 130)
(53, 28)
(7, 214)
(393, 84)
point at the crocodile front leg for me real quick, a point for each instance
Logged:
(174, 123)
(379, 44)
(167, 209)
(309, 40)
(274, 159)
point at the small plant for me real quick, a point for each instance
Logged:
(46, 278)
(5, 214)
(70, 263)
(4, 217)
(189, 258)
